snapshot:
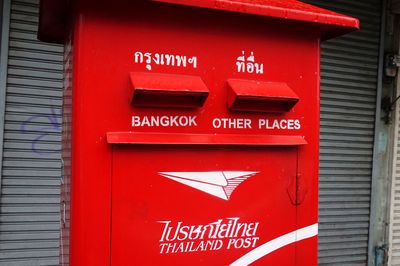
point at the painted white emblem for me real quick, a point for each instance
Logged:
(220, 184)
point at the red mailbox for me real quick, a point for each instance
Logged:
(191, 130)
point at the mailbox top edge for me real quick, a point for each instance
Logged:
(54, 13)
(288, 9)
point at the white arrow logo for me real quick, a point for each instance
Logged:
(220, 184)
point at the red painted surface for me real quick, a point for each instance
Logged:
(285, 9)
(136, 172)
(54, 14)
(202, 139)
(140, 206)
(166, 90)
(257, 96)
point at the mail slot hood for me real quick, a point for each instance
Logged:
(259, 96)
(167, 90)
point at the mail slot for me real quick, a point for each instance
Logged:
(190, 130)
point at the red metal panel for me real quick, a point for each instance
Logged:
(180, 217)
(221, 168)
(287, 9)
(102, 104)
(166, 90)
(257, 96)
(203, 139)
(54, 15)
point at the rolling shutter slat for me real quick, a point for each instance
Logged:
(348, 96)
(29, 220)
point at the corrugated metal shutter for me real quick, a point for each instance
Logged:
(394, 227)
(349, 72)
(29, 218)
